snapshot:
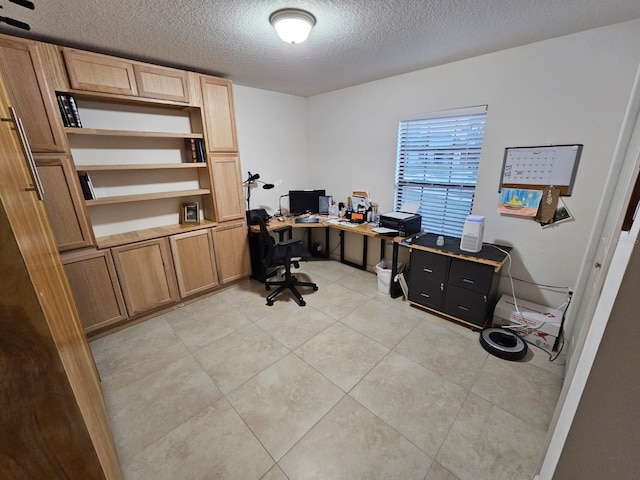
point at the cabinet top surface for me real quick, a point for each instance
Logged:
(491, 254)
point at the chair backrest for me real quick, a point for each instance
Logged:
(266, 239)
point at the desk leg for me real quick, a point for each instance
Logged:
(394, 289)
(326, 242)
(362, 266)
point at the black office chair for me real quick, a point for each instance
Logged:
(278, 255)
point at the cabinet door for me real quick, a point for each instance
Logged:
(63, 202)
(466, 305)
(227, 184)
(94, 283)
(471, 275)
(232, 244)
(220, 124)
(146, 274)
(99, 73)
(161, 82)
(22, 72)
(195, 261)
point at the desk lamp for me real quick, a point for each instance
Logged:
(253, 180)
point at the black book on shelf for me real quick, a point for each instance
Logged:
(200, 155)
(191, 149)
(63, 114)
(86, 185)
(68, 113)
(74, 110)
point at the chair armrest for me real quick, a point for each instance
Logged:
(291, 241)
(282, 230)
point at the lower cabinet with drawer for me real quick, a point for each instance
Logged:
(455, 286)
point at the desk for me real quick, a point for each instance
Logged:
(364, 229)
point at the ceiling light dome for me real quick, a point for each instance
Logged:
(292, 24)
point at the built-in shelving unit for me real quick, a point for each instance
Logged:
(129, 133)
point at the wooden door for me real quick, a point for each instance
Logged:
(53, 416)
(96, 290)
(99, 73)
(63, 202)
(146, 274)
(219, 116)
(161, 82)
(21, 69)
(232, 244)
(227, 186)
(195, 261)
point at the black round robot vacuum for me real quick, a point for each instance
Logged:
(503, 344)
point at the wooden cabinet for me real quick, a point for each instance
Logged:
(63, 202)
(232, 244)
(146, 274)
(54, 420)
(452, 283)
(219, 117)
(195, 262)
(227, 181)
(96, 290)
(21, 68)
(99, 73)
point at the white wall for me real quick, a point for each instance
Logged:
(573, 89)
(272, 138)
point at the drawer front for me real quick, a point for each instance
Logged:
(471, 275)
(426, 292)
(466, 305)
(429, 265)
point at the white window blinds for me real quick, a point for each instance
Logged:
(437, 167)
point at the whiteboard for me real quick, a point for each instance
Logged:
(538, 167)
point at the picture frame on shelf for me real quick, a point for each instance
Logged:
(190, 213)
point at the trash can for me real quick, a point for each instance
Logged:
(383, 269)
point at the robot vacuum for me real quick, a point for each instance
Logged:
(503, 343)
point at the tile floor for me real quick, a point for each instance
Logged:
(355, 385)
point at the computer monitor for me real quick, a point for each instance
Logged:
(304, 201)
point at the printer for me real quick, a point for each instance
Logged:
(405, 223)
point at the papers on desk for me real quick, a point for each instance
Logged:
(384, 231)
(342, 223)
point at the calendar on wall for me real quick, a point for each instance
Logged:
(539, 167)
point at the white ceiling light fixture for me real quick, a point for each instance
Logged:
(292, 24)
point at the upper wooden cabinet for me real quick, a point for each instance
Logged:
(101, 73)
(220, 124)
(22, 71)
(227, 181)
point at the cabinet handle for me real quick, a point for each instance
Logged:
(462, 307)
(31, 163)
(428, 270)
(425, 295)
(468, 280)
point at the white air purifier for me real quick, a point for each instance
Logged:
(472, 232)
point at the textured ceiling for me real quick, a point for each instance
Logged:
(354, 41)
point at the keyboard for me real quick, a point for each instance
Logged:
(307, 220)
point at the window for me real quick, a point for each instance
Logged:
(437, 167)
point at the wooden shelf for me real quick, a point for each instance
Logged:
(128, 133)
(145, 197)
(150, 233)
(139, 166)
(117, 98)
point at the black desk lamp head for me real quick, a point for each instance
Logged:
(254, 180)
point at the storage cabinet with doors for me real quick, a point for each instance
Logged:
(454, 283)
(102, 73)
(146, 274)
(195, 261)
(227, 180)
(26, 84)
(232, 244)
(63, 202)
(217, 100)
(96, 290)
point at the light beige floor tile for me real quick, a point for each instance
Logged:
(236, 358)
(488, 443)
(524, 390)
(336, 300)
(135, 352)
(206, 325)
(361, 281)
(342, 355)
(447, 349)
(282, 403)
(541, 359)
(292, 326)
(352, 443)
(249, 298)
(213, 444)
(328, 269)
(418, 403)
(275, 474)
(438, 472)
(382, 322)
(146, 409)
